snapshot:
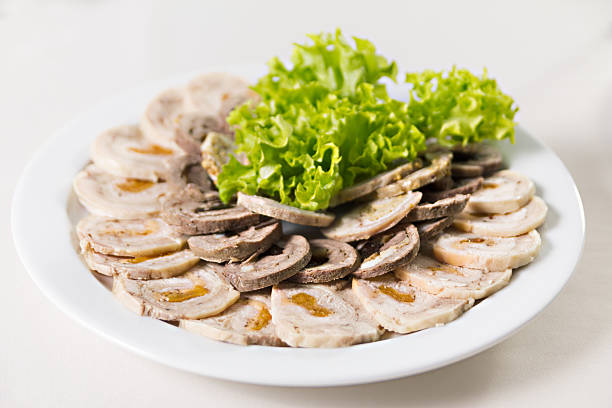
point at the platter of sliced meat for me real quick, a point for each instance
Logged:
(119, 222)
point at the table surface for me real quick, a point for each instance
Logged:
(554, 57)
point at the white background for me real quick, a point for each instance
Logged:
(58, 58)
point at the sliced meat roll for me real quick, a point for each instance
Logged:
(488, 253)
(187, 114)
(503, 192)
(330, 260)
(186, 169)
(274, 209)
(445, 183)
(193, 128)
(387, 251)
(123, 152)
(320, 315)
(117, 197)
(248, 321)
(218, 93)
(366, 220)
(216, 151)
(236, 247)
(432, 228)
(451, 281)
(159, 119)
(438, 168)
(510, 224)
(193, 212)
(475, 160)
(442, 208)
(196, 294)
(465, 186)
(402, 308)
(142, 267)
(283, 260)
(381, 180)
(133, 238)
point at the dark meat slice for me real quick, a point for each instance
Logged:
(274, 209)
(330, 260)
(444, 183)
(475, 160)
(187, 169)
(381, 180)
(192, 128)
(438, 209)
(193, 212)
(283, 260)
(464, 186)
(387, 251)
(433, 228)
(236, 247)
(438, 168)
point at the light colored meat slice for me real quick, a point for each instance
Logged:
(487, 253)
(135, 237)
(512, 224)
(321, 315)
(117, 197)
(381, 180)
(438, 168)
(197, 294)
(283, 260)
(159, 119)
(188, 114)
(236, 247)
(503, 192)
(446, 280)
(123, 152)
(403, 308)
(330, 260)
(248, 321)
(192, 211)
(141, 267)
(438, 209)
(274, 209)
(216, 151)
(388, 335)
(387, 251)
(218, 92)
(368, 219)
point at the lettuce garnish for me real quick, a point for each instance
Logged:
(324, 123)
(459, 107)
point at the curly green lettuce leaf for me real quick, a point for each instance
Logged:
(323, 124)
(459, 107)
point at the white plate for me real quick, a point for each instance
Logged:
(42, 227)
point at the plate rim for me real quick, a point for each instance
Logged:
(351, 376)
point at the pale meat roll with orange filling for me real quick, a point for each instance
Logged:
(248, 321)
(123, 152)
(117, 197)
(321, 315)
(402, 308)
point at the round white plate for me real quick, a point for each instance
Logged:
(42, 221)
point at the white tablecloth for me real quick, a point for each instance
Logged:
(57, 58)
